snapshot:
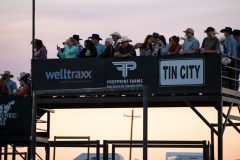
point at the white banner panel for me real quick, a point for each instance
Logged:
(181, 72)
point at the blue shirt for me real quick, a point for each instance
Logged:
(100, 49)
(12, 85)
(163, 50)
(230, 46)
(80, 48)
(190, 44)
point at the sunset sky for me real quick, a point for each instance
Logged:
(56, 20)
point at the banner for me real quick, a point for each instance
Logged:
(182, 72)
(15, 116)
(163, 75)
(132, 72)
(68, 74)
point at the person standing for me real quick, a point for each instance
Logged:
(89, 50)
(76, 42)
(174, 46)
(109, 50)
(10, 83)
(211, 43)
(230, 44)
(190, 44)
(126, 50)
(236, 36)
(163, 47)
(69, 51)
(40, 51)
(4, 90)
(24, 89)
(116, 38)
(156, 43)
(230, 49)
(146, 49)
(100, 48)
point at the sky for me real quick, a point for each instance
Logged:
(56, 20)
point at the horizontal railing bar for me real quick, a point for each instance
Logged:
(86, 90)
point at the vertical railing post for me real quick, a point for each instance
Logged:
(14, 152)
(145, 122)
(220, 130)
(212, 145)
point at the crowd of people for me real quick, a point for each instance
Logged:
(9, 88)
(154, 44)
(119, 46)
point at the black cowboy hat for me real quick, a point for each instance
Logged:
(226, 29)
(95, 36)
(210, 29)
(236, 32)
(76, 37)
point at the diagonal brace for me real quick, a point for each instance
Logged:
(230, 122)
(228, 113)
(202, 117)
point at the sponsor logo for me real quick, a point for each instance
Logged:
(64, 74)
(4, 115)
(182, 72)
(125, 66)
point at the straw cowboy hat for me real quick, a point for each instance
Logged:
(8, 74)
(116, 34)
(125, 39)
(23, 75)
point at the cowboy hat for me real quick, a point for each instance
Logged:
(125, 39)
(116, 34)
(236, 32)
(226, 29)
(95, 36)
(23, 75)
(210, 29)
(76, 37)
(8, 74)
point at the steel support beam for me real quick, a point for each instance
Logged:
(212, 146)
(47, 151)
(202, 118)
(230, 122)
(97, 150)
(32, 150)
(145, 122)
(220, 130)
(226, 119)
(5, 152)
(14, 152)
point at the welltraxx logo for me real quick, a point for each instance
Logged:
(64, 74)
(4, 115)
(125, 66)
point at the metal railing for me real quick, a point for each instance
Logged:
(230, 72)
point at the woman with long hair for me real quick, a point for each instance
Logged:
(147, 49)
(40, 51)
(175, 47)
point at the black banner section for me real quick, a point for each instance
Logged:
(68, 74)
(15, 116)
(168, 74)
